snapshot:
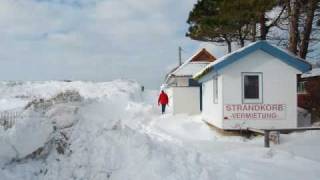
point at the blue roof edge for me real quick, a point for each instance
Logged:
(287, 58)
(291, 60)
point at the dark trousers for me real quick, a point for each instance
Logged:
(163, 108)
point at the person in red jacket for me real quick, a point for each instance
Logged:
(163, 100)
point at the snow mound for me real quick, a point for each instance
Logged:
(48, 89)
(48, 107)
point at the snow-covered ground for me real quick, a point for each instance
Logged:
(112, 130)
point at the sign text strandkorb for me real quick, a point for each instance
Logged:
(254, 111)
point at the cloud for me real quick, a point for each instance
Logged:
(93, 39)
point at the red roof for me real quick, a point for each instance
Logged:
(203, 56)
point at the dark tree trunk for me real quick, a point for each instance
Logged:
(242, 42)
(229, 46)
(228, 41)
(311, 7)
(242, 36)
(294, 12)
(263, 27)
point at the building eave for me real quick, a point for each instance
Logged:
(228, 59)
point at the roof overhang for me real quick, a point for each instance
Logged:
(288, 58)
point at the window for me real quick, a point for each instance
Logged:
(252, 87)
(301, 87)
(215, 90)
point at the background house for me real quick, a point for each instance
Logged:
(309, 92)
(303, 79)
(255, 86)
(183, 90)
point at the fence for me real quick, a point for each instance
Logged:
(8, 118)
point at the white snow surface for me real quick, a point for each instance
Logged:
(313, 73)
(190, 68)
(116, 132)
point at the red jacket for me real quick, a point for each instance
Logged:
(163, 98)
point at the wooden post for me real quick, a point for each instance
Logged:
(266, 139)
(266, 132)
(180, 57)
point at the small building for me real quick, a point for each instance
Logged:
(255, 86)
(183, 90)
(308, 98)
(310, 76)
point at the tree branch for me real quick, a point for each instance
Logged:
(275, 21)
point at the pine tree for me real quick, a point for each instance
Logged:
(229, 21)
(207, 24)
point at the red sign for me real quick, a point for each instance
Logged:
(254, 111)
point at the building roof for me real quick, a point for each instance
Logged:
(228, 59)
(202, 56)
(189, 69)
(193, 65)
(315, 72)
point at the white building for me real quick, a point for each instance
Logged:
(255, 87)
(183, 91)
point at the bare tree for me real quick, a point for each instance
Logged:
(305, 38)
(294, 13)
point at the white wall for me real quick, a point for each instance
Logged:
(179, 81)
(182, 81)
(279, 87)
(212, 112)
(169, 92)
(184, 100)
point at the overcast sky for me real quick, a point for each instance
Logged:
(96, 40)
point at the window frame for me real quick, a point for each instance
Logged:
(249, 100)
(301, 87)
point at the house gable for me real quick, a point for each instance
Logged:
(194, 64)
(203, 56)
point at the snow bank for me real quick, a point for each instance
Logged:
(37, 108)
(313, 73)
(304, 118)
(47, 89)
